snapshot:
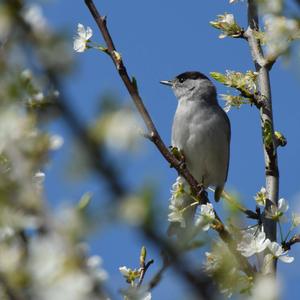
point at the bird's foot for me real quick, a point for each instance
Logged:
(179, 155)
(202, 193)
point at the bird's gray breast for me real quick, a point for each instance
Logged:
(202, 132)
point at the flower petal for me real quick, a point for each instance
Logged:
(124, 270)
(276, 249)
(260, 237)
(81, 30)
(88, 33)
(283, 205)
(286, 259)
(79, 45)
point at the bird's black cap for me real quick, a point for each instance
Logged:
(191, 75)
(184, 76)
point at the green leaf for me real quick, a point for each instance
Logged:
(280, 138)
(84, 201)
(143, 255)
(267, 134)
(219, 77)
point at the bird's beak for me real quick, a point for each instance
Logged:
(166, 82)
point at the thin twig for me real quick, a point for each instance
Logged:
(143, 271)
(158, 276)
(249, 213)
(287, 245)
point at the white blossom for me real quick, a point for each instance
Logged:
(133, 293)
(56, 93)
(206, 216)
(226, 23)
(122, 130)
(124, 271)
(276, 213)
(229, 19)
(178, 202)
(212, 262)
(270, 7)
(295, 219)
(278, 252)
(227, 107)
(38, 97)
(56, 141)
(261, 197)
(265, 288)
(13, 126)
(279, 32)
(226, 20)
(15, 220)
(82, 38)
(130, 274)
(39, 177)
(283, 205)
(252, 243)
(6, 232)
(26, 74)
(59, 276)
(207, 211)
(133, 210)
(33, 15)
(94, 264)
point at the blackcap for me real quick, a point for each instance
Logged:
(201, 129)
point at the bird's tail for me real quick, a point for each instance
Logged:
(218, 192)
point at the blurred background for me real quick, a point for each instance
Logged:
(157, 41)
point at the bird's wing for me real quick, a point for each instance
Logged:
(227, 121)
(219, 189)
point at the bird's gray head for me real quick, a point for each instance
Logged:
(192, 86)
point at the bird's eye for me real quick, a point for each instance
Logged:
(181, 79)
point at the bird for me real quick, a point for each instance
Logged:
(201, 129)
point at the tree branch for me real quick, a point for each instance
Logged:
(266, 115)
(158, 276)
(287, 245)
(144, 270)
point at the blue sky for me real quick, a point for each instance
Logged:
(158, 40)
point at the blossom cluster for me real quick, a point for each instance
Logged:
(179, 202)
(227, 24)
(245, 83)
(279, 32)
(254, 241)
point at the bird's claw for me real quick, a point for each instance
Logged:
(179, 155)
(202, 193)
